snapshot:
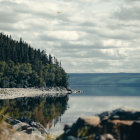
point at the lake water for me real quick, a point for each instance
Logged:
(101, 92)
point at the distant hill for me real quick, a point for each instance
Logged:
(105, 79)
(23, 66)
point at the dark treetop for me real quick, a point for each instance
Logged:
(23, 66)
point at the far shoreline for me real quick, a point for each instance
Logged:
(12, 93)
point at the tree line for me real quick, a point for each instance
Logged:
(23, 66)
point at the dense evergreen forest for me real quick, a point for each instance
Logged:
(22, 66)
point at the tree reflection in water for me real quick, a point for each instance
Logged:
(45, 110)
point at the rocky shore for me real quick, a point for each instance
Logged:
(119, 124)
(11, 93)
(22, 128)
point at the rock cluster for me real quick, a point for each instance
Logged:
(27, 126)
(119, 124)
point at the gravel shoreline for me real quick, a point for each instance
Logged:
(11, 93)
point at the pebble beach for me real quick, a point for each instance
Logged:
(12, 93)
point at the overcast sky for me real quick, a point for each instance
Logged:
(86, 35)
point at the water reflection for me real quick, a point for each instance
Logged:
(89, 90)
(42, 109)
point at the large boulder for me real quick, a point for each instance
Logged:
(83, 126)
(119, 124)
(121, 114)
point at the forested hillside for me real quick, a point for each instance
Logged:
(23, 66)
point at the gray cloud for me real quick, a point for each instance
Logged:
(128, 13)
(86, 35)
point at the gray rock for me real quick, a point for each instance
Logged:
(67, 127)
(72, 138)
(21, 126)
(121, 114)
(33, 124)
(29, 130)
(105, 137)
(88, 121)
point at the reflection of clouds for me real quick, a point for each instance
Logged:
(96, 104)
(81, 106)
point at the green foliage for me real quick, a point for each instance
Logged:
(23, 66)
(43, 110)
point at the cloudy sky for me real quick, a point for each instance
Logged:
(86, 35)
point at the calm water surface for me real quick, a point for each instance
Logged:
(81, 106)
(101, 92)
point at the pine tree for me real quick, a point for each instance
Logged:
(23, 66)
